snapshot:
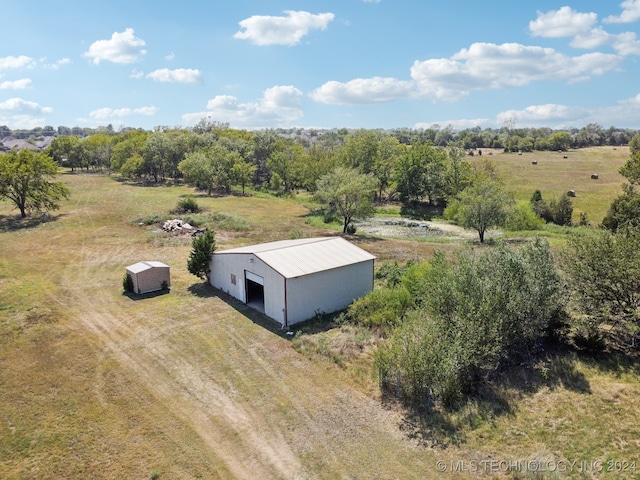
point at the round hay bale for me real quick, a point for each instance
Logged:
(571, 193)
(534, 162)
(594, 176)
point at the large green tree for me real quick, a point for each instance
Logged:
(421, 173)
(347, 192)
(26, 179)
(210, 169)
(485, 203)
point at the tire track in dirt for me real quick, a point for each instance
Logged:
(195, 398)
(236, 422)
(185, 386)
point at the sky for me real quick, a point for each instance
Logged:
(320, 64)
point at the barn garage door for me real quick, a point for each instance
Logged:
(254, 278)
(254, 288)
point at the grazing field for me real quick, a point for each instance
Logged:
(554, 175)
(192, 384)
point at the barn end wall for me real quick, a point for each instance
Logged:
(327, 291)
(223, 266)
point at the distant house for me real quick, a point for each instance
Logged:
(39, 144)
(293, 280)
(149, 276)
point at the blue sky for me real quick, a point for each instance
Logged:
(320, 64)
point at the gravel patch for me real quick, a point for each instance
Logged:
(407, 228)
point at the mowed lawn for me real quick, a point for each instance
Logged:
(192, 384)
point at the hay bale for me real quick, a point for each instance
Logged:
(571, 193)
(534, 162)
(594, 176)
(565, 156)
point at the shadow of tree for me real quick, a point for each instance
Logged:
(497, 394)
(10, 223)
(420, 211)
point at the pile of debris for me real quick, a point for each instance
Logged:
(181, 227)
(176, 225)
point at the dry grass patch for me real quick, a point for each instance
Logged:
(94, 384)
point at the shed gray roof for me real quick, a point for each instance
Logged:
(294, 258)
(146, 265)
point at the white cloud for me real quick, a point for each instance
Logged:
(109, 113)
(170, 57)
(279, 105)
(16, 62)
(289, 30)
(489, 66)
(123, 47)
(535, 115)
(55, 65)
(561, 23)
(20, 113)
(460, 124)
(624, 44)
(482, 66)
(60, 63)
(179, 75)
(591, 39)
(630, 13)
(623, 114)
(137, 74)
(363, 91)
(16, 84)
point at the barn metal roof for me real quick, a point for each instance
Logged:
(294, 258)
(146, 265)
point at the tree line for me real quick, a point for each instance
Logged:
(508, 136)
(345, 170)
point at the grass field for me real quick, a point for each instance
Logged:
(554, 176)
(192, 384)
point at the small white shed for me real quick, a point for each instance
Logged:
(149, 276)
(293, 280)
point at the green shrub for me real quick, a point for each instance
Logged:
(127, 283)
(473, 313)
(187, 204)
(383, 307)
(391, 272)
(523, 217)
(152, 219)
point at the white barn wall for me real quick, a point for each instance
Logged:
(327, 291)
(224, 265)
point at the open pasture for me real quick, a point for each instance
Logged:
(192, 384)
(554, 175)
